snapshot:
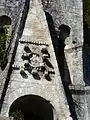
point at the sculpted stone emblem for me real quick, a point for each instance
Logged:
(37, 62)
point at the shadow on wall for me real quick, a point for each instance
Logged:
(58, 44)
(86, 55)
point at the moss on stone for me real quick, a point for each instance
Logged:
(16, 115)
(5, 34)
(86, 6)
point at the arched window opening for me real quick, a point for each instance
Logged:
(31, 107)
(5, 35)
(5, 20)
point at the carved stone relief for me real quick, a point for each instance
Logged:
(37, 61)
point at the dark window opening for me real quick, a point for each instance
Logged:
(31, 107)
(4, 20)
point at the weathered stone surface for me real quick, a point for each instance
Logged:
(12, 10)
(79, 100)
(37, 33)
(3, 118)
(70, 13)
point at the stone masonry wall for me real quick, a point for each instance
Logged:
(36, 36)
(69, 12)
(13, 10)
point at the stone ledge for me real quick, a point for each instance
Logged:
(80, 89)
